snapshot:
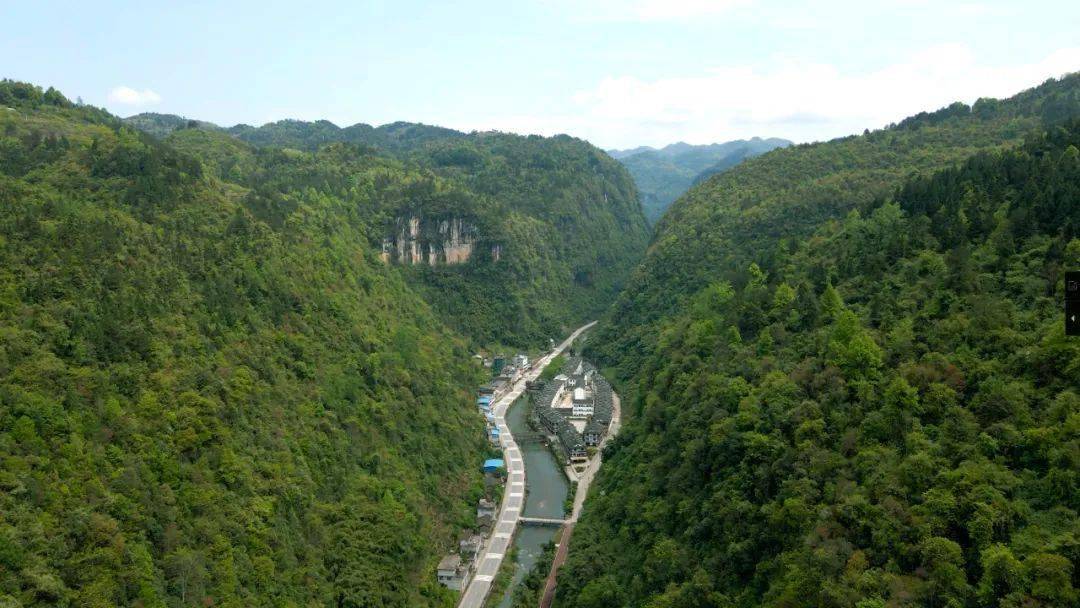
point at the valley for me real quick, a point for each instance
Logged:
(314, 363)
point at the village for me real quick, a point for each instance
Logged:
(456, 569)
(571, 414)
(575, 409)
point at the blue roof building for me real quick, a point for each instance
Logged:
(493, 464)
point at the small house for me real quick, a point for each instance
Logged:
(485, 508)
(470, 546)
(593, 433)
(494, 465)
(452, 573)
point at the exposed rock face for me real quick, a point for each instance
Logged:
(419, 240)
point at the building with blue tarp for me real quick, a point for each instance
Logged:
(492, 465)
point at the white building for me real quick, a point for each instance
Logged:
(582, 403)
(452, 573)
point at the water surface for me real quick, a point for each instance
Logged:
(547, 490)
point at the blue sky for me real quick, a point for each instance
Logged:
(618, 73)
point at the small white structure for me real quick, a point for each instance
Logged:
(582, 404)
(452, 573)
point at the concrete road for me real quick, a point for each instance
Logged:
(491, 556)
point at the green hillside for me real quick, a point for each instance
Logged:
(212, 392)
(759, 210)
(664, 175)
(554, 224)
(569, 227)
(848, 381)
(303, 134)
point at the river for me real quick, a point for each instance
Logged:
(547, 490)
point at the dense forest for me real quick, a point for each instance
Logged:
(847, 378)
(205, 399)
(663, 175)
(562, 215)
(213, 390)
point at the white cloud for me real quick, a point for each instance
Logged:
(786, 97)
(131, 97)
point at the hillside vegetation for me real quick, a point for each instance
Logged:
(664, 175)
(563, 216)
(848, 381)
(568, 223)
(212, 390)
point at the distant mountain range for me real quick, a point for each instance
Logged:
(302, 134)
(663, 175)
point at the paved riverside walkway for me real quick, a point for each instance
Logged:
(490, 558)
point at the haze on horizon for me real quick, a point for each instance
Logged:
(619, 74)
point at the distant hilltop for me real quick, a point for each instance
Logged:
(663, 175)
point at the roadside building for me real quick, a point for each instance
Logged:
(483, 403)
(486, 508)
(452, 573)
(470, 546)
(494, 465)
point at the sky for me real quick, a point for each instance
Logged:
(619, 73)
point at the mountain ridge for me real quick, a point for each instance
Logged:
(246, 401)
(835, 358)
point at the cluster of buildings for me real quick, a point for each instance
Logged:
(455, 570)
(575, 406)
(505, 370)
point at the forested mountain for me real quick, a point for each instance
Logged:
(160, 125)
(513, 239)
(310, 135)
(302, 134)
(847, 379)
(664, 175)
(217, 384)
(214, 393)
(568, 227)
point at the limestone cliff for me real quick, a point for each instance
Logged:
(431, 241)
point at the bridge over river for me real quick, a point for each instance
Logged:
(542, 521)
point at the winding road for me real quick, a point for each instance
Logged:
(490, 558)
